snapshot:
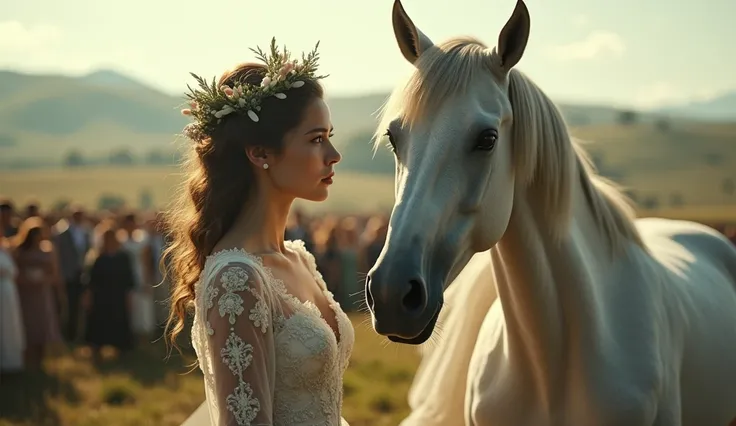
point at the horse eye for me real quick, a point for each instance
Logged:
(486, 140)
(390, 139)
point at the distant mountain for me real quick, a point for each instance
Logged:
(46, 118)
(111, 78)
(719, 108)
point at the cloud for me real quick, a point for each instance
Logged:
(18, 37)
(664, 93)
(598, 43)
(45, 48)
(581, 20)
(657, 94)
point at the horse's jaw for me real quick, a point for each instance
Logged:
(424, 335)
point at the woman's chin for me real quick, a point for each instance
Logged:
(319, 195)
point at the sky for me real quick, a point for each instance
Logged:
(643, 54)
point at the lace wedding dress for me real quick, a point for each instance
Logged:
(268, 358)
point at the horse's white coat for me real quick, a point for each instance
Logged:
(600, 319)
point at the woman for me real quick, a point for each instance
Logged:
(271, 341)
(38, 279)
(135, 241)
(12, 334)
(110, 283)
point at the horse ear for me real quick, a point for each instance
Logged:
(514, 36)
(412, 42)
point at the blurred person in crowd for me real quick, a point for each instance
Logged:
(730, 233)
(157, 245)
(371, 242)
(107, 297)
(38, 278)
(12, 331)
(7, 217)
(348, 249)
(33, 209)
(297, 229)
(73, 239)
(135, 241)
(329, 261)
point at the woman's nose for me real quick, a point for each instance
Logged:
(335, 156)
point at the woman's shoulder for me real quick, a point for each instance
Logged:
(230, 258)
(237, 267)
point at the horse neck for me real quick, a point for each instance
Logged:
(545, 287)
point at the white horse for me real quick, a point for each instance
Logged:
(600, 319)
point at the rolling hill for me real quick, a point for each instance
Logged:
(719, 108)
(45, 118)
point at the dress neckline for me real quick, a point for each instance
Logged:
(298, 246)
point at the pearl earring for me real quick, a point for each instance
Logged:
(265, 165)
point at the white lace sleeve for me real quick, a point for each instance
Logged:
(241, 340)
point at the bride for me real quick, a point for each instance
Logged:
(270, 339)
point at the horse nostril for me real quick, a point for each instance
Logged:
(415, 299)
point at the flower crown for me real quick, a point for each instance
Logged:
(210, 104)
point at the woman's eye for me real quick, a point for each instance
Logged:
(321, 139)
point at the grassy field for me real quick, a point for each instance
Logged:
(87, 185)
(145, 389)
(698, 186)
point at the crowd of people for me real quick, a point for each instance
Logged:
(95, 278)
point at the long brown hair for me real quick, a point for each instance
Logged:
(30, 230)
(219, 181)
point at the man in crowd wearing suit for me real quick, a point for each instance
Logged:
(6, 218)
(73, 241)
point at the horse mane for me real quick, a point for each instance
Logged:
(463, 58)
(546, 158)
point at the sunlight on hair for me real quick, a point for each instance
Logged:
(464, 58)
(546, 158)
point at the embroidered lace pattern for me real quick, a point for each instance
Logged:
(268, 358)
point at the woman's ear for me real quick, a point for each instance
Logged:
(257, 155)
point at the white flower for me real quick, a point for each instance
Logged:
(280, 95)
(236, 354)
(210, 293)
(260, 315)
(252, 115)
(297, 83)
(231, 304)
(243, 405)
(266, 81)
(234, 279)
(227, 109)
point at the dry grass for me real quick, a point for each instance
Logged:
(143, 388)
(87, 185)
(650, 163)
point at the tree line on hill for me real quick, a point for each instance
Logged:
(122, 157)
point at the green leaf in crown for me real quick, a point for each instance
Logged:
(209, 103)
